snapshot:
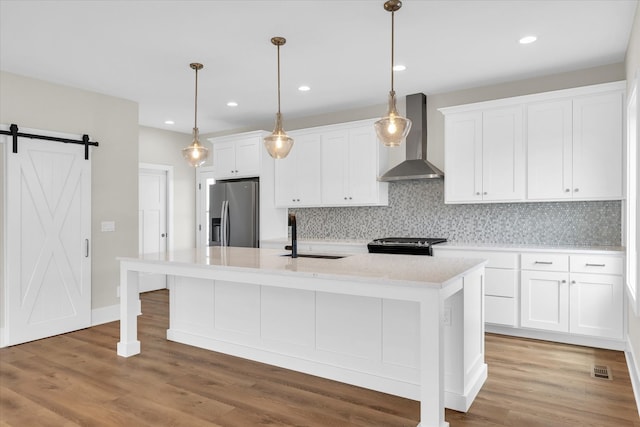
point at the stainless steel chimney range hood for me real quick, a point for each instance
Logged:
(416, 166)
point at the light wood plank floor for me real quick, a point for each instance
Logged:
(77, 379)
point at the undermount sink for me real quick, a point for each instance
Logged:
(318, 256)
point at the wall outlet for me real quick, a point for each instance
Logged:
(446, 316)
(108, 226)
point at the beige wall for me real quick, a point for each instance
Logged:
(633, 66)
(164, 148)
(113, 122)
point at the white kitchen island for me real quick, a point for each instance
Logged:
(407, 325)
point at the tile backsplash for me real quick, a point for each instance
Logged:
(417, 209)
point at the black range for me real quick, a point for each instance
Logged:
(404, 245)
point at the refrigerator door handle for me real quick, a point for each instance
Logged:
(223, 224)
(227, 224)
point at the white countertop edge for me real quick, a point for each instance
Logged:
(506, 247)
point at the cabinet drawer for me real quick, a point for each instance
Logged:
(545, 262)
(500, 310)
(596, 264)
(494, 259)
(500, 283)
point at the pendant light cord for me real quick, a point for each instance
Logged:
(195, 120)
(278, 79)
(392, 44)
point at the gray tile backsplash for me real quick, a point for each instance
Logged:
(417, 209)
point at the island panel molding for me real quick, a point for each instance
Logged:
(257, 304)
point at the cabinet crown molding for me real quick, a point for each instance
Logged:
(535, 97)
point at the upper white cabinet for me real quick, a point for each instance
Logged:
(350, 167)
(574, 148)
(562, 145)
(237, 156)
(335, 165)
(297, 176)
(484, 156)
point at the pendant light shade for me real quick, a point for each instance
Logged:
(278, 144)
(393, 128)
(195, 154)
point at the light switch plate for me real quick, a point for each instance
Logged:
(108, 226)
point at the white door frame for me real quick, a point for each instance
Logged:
(168, 169)
(202, 174)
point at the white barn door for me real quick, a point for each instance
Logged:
(152, 222)
(48, 259)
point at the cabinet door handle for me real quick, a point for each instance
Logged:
(485, 193)
(477, 193)
(595, 265)
(573, 282)
(564, 281)
(86, 242)
(543, 262)
(575, 190)
(567, 190)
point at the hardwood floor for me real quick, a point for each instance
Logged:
(77, 379)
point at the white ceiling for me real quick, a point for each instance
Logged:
(141, 50)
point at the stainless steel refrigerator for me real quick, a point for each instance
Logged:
(234, 213)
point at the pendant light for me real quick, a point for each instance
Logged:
(278, 143)
(393, 128)
(195, 154)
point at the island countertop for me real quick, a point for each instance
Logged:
(371, 268)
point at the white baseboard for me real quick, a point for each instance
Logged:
(3, 342)
(632, 357)
(606, 343)
(107, 314)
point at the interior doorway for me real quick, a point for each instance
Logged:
(154, 218)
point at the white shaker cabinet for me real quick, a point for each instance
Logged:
(597, 146)
(297, 177)
(560, 145)
(484, 156)
(578, 294)
(237, 156)
(574, 148)
(350, 167)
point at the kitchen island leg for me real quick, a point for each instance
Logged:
(129, 296)
(432, 361)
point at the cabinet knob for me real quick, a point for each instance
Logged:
(575, 190)
(293, 200)
(564, 281)
(350, 198)
(297, 200)
(573, 282)
(345, 198)
(478, 193)
(567, 190)
(485, 193)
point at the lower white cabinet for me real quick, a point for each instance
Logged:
(559, 296)
(570, 300)
(544, 301)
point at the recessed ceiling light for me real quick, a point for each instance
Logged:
(169, 122)
(528, 39)
(399, 67)
(304, 88)
(232, 104)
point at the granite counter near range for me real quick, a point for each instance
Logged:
(372, 320)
